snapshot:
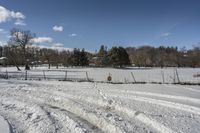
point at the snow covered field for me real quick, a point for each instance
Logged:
(58, 107)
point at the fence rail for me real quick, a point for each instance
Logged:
(162, 76)
(47, 75)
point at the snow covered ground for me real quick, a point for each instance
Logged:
(58, 107)
(4, 126)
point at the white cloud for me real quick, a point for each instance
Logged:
(7, 15)
(17, 15)
(72, 35)
(58, 28)
(3, 43)
(166, 34)
(57, 45)
(1, 30)
(42, 40)
(47, 42)
(62, 48)
(20, 22)
(53, 47)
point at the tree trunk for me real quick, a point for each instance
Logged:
(25, 59)
(14, 62)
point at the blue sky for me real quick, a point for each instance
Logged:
(91, 23)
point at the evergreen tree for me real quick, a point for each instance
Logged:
(83, 58)
(79, 58)
(119, 57)
(103, 57)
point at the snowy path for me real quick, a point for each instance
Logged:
(57, 107)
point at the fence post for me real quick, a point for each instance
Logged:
(174, 77)
(163, 76)
(44, 74)
(87, 76)
(65, 75)
(177, 76)
(6, 74)
(133, 77)
(26, 75)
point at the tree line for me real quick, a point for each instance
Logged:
(149, 56)
(20, 51)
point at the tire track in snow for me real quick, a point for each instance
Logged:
(4, 113)
(62, 116)
(25, 117)
(125, 110)
(191, 89)
(183, 107)
(91, 116)
(182, 98)
(102, 111)
(5, 125)
(63, 96)
(104, 104)
(139, 116)
(80, 111)
(104, 101)
(183, 87)
(58, 125)
(55, 117)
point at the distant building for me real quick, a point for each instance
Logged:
(92, 61)
(3, 60)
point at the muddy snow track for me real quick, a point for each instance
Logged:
(57, 107)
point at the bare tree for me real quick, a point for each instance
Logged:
(22, 39)
(47, 56)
